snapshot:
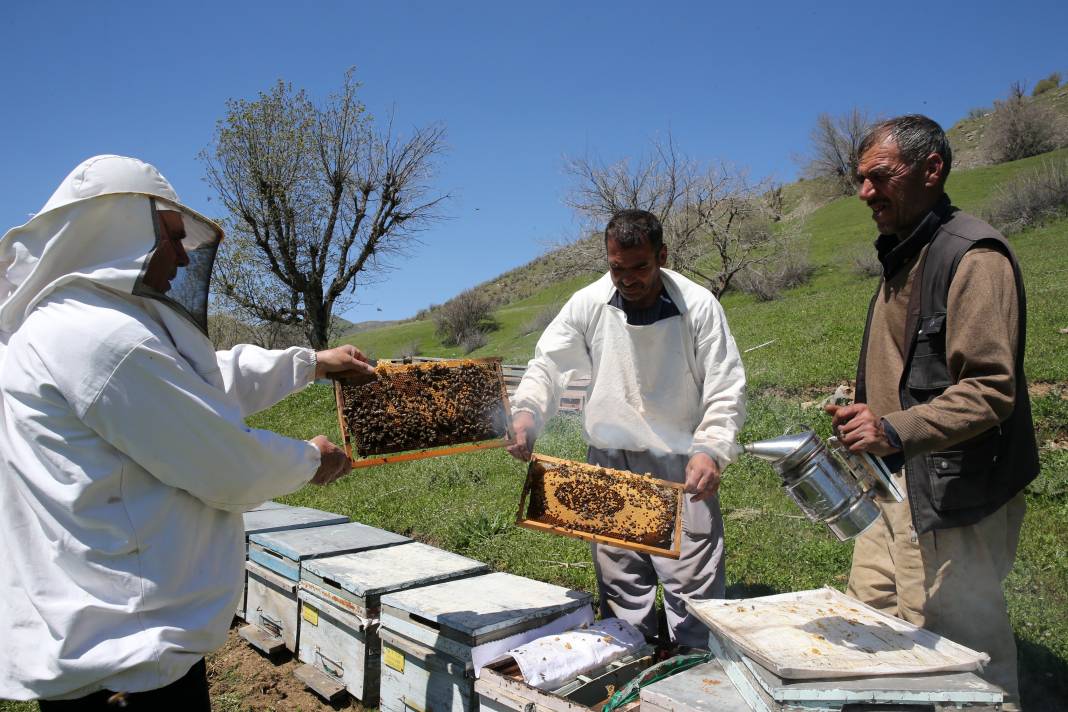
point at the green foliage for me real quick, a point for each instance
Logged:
(1051, 82)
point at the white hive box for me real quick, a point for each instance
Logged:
(275, 558)
(429, 635)
(764, 691)
(821, 650)
(275, 516)
(340, 609)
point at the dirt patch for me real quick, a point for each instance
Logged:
(1038, 390)
(241, 678)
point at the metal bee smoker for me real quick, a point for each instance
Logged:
(831, 484)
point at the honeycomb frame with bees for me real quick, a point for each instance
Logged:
(614, 507)
(411, 411)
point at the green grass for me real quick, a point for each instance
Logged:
(467, 504)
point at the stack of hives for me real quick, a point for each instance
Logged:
(602, 504)
(425, 405)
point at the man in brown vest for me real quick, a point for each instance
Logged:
(941, 394)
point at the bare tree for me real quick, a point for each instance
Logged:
(319, 199)
(716, 222)
(835, 141)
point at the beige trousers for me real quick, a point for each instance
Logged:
(947, 581)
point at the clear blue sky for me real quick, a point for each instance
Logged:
(518, 86)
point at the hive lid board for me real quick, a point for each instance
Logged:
(373, 573)
(824, 633)
(485, 604)
(272, 520)
(327, 540)
(703, 688)
(271, 504)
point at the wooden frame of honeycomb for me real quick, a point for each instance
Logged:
(613, 507)
(425, 409)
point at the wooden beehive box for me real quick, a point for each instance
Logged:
(431, 635)
(273, 517)
(340, 595)
(276, 518)
(275, 560)
(416, 410)
(613, 507)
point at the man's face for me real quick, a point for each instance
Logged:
(636, 271)
(170, 253)
(898, 194)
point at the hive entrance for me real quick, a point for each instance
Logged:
(601, 504)
(428, 407)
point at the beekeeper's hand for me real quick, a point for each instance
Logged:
(522, 448)
(333, 461)
(702, 477)
(859, 429)
(345, 361)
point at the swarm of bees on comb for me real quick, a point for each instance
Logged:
(425, 405)
(602, 501)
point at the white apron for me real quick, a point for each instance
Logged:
(643, 388)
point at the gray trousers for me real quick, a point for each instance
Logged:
(627, 579)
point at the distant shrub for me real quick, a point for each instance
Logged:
(977, 112)
(1051, 82)
(412, 348)
(473, 340)
(426, 312)
(1031, 198)
(865, 262)
(464, 314)
(542, 319)
(767, 282)
(1019, 128)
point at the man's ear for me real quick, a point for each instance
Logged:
(661, 257)
(934, 170)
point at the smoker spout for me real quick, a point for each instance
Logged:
(778, 448)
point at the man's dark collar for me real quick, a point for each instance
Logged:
(894, 252)
(663, 308)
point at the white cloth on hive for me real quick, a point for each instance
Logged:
(553, 660)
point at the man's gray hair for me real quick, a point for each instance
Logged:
(916, 137)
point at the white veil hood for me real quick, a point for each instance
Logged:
(100, 226)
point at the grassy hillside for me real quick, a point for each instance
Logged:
(966, 136)
(823, 318)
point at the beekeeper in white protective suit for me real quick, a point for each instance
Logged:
(125, 459)
(666, 397)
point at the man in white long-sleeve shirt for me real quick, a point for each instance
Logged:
(666, 397)
(125, 462)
